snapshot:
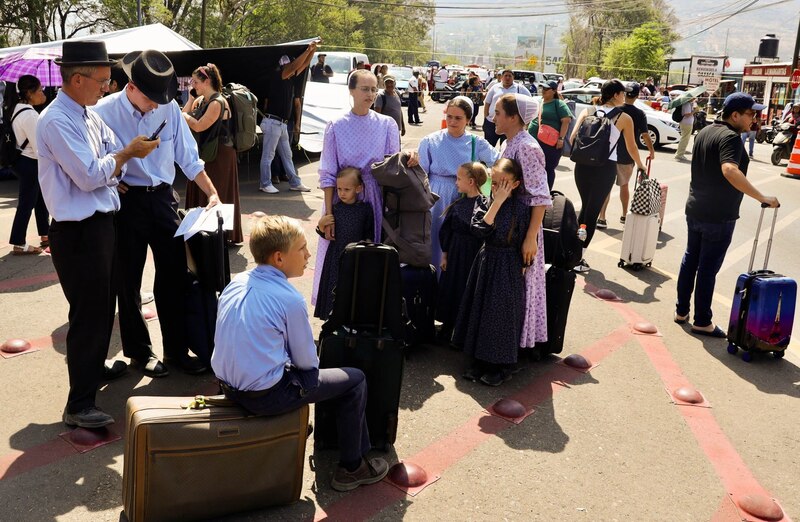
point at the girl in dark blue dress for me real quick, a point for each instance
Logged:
(493, 309)
(459, 245)
(353, 222)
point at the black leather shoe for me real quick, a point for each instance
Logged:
(115, 371)
(187, 363)
(92, 417)
(152, 367)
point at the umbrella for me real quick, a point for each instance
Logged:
(36, 61)
(687, 96)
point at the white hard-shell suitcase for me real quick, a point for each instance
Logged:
(639, 241)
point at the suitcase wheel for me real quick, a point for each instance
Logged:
(747, 356)
(779, 355)
(732, 349)
(621, 263)
(649, 264)
(636, 267)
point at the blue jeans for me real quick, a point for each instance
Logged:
(346, 386)
(30, 200)
(706, 248)
(276, 138)
(751, 136)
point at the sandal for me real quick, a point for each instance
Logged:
(26, 250)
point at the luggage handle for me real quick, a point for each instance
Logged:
(764, 206)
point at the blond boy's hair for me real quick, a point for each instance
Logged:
(272, 234)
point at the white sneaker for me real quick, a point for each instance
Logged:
(269, 189)
(300, 188)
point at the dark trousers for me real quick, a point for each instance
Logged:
(552, 156)
(83, 256)
(30, 199)
(489, 133)
(594, 184)
(347, 387)
(151, 219)
(705, 250)
(475, 114)
(413, 108)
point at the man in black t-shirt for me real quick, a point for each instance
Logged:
(320, 72)
(279, 105)
(624, 162)
(718, 183)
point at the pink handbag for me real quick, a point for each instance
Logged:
(547, 134)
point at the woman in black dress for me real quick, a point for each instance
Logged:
(354, 222)
(459, 245)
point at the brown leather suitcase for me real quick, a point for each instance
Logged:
(189, 459)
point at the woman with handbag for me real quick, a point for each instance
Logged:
(24, 119)
(550, 128)
(208, 115)
(441, 154)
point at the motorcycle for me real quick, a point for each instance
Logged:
(443, 92)
(783, 142)
(767, 132)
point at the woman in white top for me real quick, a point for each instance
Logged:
(595, 182)
(25, 118)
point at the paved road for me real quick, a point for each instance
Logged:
(605, 445)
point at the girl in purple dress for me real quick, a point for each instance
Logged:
(513, 113)
(358, 138)
(459, 245)
(491, 315)
(354, 222)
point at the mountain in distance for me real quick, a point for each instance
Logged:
(739, 35)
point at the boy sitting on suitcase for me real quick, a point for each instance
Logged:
(265, 357)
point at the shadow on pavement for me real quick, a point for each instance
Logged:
(663, 239)
(654, 280)
(768, 374)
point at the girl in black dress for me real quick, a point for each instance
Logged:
(353, 222)
(493, 309)
(459, 245)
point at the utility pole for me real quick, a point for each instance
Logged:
(544, 41)
(203, 24)
(796, 46)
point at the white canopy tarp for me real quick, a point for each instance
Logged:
(153, 36)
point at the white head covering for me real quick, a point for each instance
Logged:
(527, 107)
(469, 102)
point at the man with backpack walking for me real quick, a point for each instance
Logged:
(687, 126)
(278, 108)
(148, 215)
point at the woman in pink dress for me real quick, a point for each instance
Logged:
(356, 139)
(513, 113)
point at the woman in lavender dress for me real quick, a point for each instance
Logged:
(513, 113)
(358, 139)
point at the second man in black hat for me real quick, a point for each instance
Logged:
(149, 213)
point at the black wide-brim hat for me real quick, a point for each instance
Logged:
(83, 52)
(152, 73)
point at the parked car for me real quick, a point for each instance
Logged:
(530, 79)
(402, 74)
(662, 130)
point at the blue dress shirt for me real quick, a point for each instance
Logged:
(262, 327)
(177, 143)
(76, 161)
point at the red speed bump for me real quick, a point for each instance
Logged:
(409, 478)
(760, 506)
(510, 410)
(84, 440)
(15, 346)
(606, 295)
(258, 214)
(645, 328)
(148, 313)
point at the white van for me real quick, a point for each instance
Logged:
(341, 63)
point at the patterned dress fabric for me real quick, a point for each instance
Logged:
(440, 154)
(355, 141)
(354, 223)
(492, 311)
(525, 150)
(456, 238)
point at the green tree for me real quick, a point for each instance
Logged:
(638, 55)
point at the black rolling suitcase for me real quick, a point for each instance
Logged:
(209, 271)
(419, 292)
(366, 330)
(559, 285)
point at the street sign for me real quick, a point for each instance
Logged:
(711, 83)
(795, 80)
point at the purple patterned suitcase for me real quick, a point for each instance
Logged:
(762, 313)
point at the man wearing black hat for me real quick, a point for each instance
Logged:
(149, 214)
(80, 165)
(718, 183)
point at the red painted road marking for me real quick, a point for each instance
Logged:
(435, 459)
(18, 462)
(13, 284)
(720, 452)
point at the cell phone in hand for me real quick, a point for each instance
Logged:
(193, 93)
(157, 132)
